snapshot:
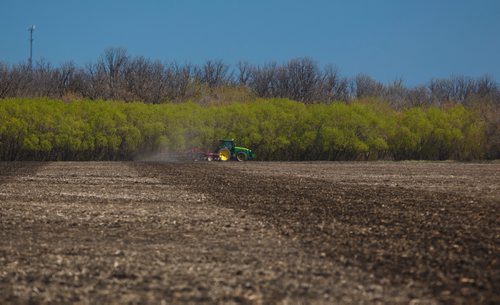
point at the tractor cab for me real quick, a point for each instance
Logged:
(229, 144)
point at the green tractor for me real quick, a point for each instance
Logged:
(226, 150)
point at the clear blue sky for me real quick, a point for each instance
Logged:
(417, 40)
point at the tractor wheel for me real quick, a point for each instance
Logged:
(241, 156)
(224, 154)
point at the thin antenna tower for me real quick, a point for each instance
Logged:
(31, 29)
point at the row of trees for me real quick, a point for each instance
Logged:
(276, 129)
(116, 75)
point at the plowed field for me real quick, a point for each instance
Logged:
(249, 233)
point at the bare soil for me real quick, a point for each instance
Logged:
(249, 233)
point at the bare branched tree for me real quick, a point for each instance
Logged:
(214, 73)
(418, 96)
(396, 93)
(10, 80)
(113, 63)
(66, 76)
(332, 87)
(145, 80)
(486, 87)
(262, 79)
(179, 78)
(95, 81)
(244, 70)
(463, 88)
(365, 86)
(303, 79)
(441, 90)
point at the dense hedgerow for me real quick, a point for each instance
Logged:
(276, 129)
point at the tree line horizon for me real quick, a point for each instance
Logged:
(120, 107)
(117, 76)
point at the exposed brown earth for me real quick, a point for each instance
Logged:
(253, 232)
